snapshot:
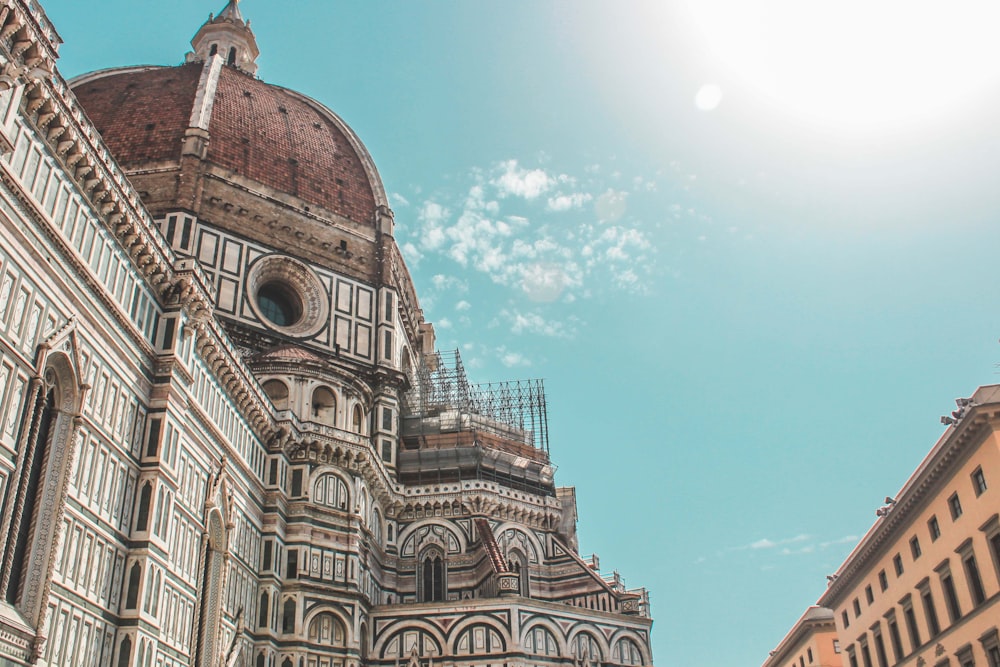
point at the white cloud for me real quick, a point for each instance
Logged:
(565, 202)
(517, 181)
(399, 199)
(511, 359)
(443, 323)
(442, 282)
(534, 323)
(462, 305)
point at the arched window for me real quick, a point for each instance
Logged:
(376, 525)
(214, 559)
(48, 407)
(518, 564)
(479, 639)
(324, 406)
(125, 652)
(357, 418)
(277, 391)
(540, 642)
(432, 576)
(287, 663)
(231, 60)
(260, 660)
(331, 491)
(132, 593)
(215, 49)
(586, 649)
(262, 611)
(626, 652)
(327, 630)
(142, 514)
(288, 616)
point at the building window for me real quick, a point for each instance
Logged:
(836, 646)
(934, 528)
(809, 652)
(262, 611)
(994, 540)
(279, 303)
(991, 647)
(915, 547)
(288, 617)
(857, 607)
(432, 577)
(950, 595)
(883, 581)
(292, 564)
(911, 623)
(845, 619)
(897, 562)
(975, 581)
(964, 656)
(880, 654)
(894, 636)
(869, 595)
(324, 406)
(327, 630)
(852, 659)
(930, 611)
(978, 481)
(955, 505)
(866, 656)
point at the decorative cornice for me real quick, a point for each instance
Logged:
(982, 419)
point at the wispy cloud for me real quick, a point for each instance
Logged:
(534, 323)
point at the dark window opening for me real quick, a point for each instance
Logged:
(47, 404)
(279, 303)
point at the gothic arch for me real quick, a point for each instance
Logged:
(330, 488)
(322, 629)
(432, 575)
(337, 612)
(576, 641)
(52, 414)
(635, 639)
(562, 648)
(427, 634)
(511, 535)
(215, 561)
(456, 631)
(416, 536)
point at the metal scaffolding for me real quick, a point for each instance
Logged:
(511, 409)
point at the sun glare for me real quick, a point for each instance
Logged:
(856, 62)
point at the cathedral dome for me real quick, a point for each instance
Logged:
(249, 129)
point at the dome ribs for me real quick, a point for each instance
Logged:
(162, 97)
(257, 131)
(272, 137)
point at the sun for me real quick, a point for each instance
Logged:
(855, 62)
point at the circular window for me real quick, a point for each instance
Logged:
(279, 303)
(287, 296)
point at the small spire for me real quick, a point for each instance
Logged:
(232, 11)
(227, 35)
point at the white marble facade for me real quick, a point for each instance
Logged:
(171, 497)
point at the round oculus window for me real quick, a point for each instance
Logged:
(286, 295)
(279, 303)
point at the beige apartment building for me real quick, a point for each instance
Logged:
(812, 641)
(922, 588)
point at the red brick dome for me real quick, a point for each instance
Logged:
(268, 134)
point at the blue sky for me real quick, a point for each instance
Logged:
(751, 254)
